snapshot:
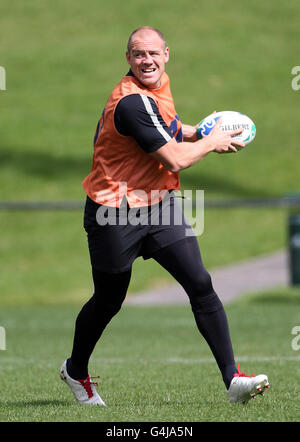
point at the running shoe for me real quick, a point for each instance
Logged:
(83, 389)
(243, 387)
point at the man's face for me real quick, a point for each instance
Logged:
(147, 57)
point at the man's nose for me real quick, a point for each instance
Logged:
(148, 58)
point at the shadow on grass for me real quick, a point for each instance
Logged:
(52, 165)
(35, 403)
(45, 164)
(285, 297)
(193, 179)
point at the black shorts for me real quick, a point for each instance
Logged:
(116, 237)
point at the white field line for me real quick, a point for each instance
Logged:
(237, 358)
(204, 360)
(8, 363)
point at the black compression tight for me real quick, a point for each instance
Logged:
(183, 261)
(109, 294)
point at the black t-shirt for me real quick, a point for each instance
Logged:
(137, 115)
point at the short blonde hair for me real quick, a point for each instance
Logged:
(146, 28)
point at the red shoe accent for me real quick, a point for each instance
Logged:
(86, 383)
(242, 375)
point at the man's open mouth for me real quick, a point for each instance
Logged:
(148, 70)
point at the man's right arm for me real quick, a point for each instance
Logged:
(178, 156)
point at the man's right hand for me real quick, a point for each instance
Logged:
(222, 142)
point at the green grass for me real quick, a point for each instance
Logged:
(154, 366)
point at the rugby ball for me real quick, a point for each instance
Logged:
(231, 120)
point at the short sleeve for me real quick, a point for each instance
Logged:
(137, 115)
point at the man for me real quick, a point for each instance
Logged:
(140, 146)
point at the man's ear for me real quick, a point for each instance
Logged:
(128, 57)
(167, 55)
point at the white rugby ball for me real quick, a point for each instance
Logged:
(231, 120)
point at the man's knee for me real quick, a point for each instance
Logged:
(110, 291)
(202, 296)
(199, 284)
